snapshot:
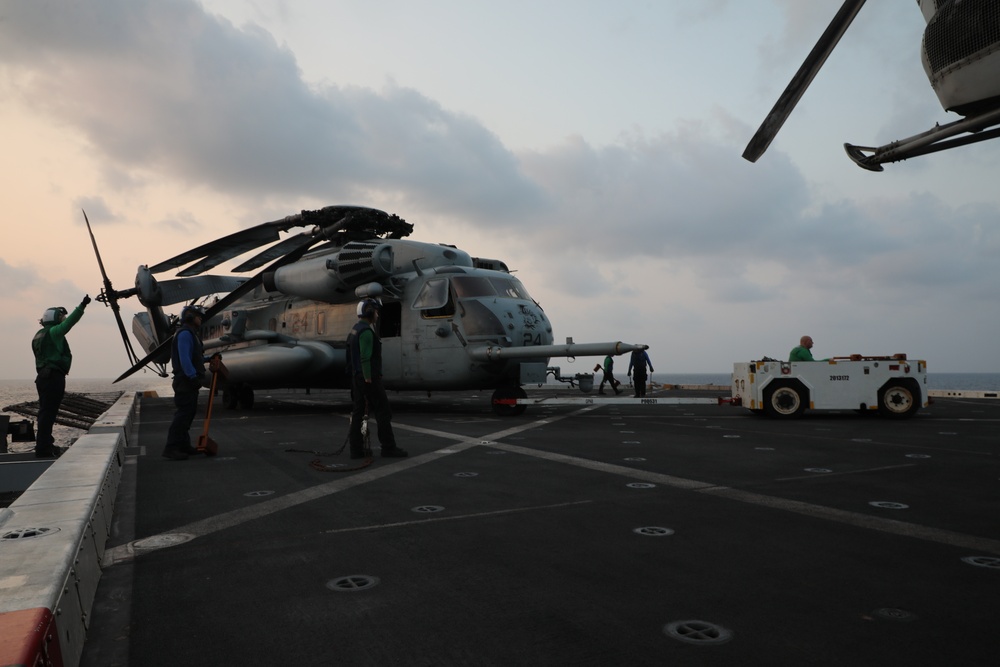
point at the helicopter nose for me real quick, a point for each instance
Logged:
(534, 327)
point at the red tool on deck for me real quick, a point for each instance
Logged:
(205, 443)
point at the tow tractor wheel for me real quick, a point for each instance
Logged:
(899, 399)
(785, 400)
(507, 393)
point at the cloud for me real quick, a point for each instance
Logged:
(97, 210)
(161, 87)
(16, 280)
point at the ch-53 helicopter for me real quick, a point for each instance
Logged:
(961, 56)
(449, 321)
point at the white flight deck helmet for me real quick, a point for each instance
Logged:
(367, 308)
(53, 315)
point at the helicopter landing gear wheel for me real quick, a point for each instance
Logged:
(246, 397)
(506, 409)
(230, 398)
(238, 395)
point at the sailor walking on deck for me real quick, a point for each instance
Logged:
(365, 366)
(609, 377)
(637, 371)
(52, 361)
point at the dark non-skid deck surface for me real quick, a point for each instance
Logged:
(566, 536)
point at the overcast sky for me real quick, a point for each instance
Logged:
(594, 146)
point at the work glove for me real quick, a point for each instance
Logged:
(86, 300)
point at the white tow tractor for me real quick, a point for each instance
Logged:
(894, 386)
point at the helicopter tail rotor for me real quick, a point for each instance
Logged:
(109, 297)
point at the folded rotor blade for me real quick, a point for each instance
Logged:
(230, 298)
(790, 97)
(230, 246)
(330, 219)
(307, 241)
(277, 250)
(218, 251)
(145, 361)
(188, 289)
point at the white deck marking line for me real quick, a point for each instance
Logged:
(127, 552)
(857, 519)
(457, 517)
(891, 526)
(646, 476)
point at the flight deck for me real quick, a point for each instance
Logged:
(682, 532)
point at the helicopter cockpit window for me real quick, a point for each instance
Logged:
(510, 288)
(434, 294)
(481, 322)
(434, 300)
(467, 287)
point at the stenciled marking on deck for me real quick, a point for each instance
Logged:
(126, 552)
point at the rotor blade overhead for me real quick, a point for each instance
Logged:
(790, 97)
(327, 221)
(186, 289)
(221, 250)
(233, 296)
(230, 246)
(145, 361)
(277, 250)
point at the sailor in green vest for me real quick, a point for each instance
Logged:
(52, 361)
(364, 349)
(804, 351)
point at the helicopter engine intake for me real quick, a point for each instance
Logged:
(328, 278)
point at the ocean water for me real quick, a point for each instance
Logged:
(13, 392)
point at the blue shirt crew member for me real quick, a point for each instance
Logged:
(637, 371)
(187, 362)
(365, 360)
(53, 359)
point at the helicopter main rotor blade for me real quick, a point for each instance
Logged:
(227, 247)
(218, 251)
(307, 241)
(290, 244)
(790, 97)
(110, 296)
(179, 290)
